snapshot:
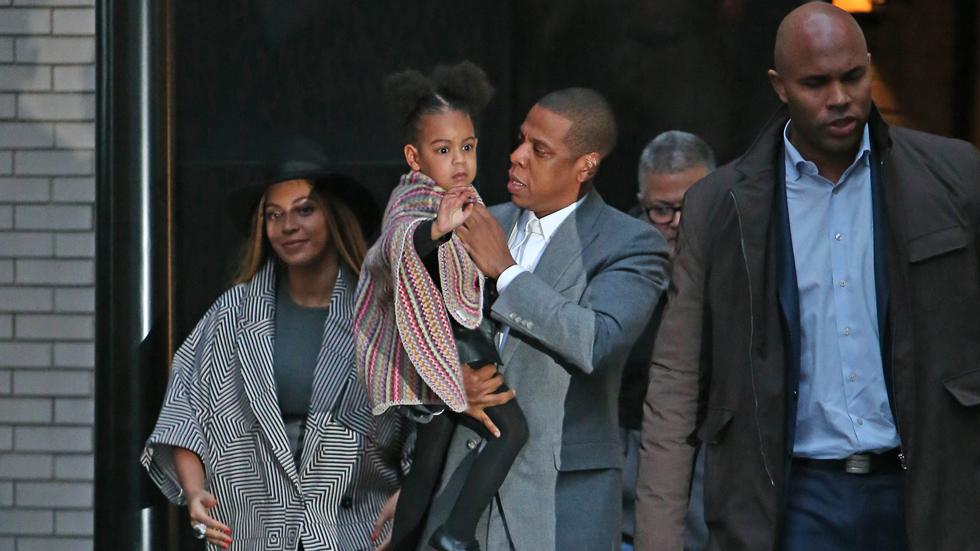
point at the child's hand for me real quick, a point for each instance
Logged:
(454, 209)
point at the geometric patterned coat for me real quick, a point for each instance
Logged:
(221, 404)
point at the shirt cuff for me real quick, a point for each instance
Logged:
(508, 275)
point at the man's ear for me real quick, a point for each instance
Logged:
(776, 80)
(588, 167)
(412, 157)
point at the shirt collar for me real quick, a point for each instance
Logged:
(797, 166)
(550, 223)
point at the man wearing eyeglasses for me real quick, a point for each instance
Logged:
(670, 164)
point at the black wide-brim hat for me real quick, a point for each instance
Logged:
(244, 201)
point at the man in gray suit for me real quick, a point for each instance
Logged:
(576, 281)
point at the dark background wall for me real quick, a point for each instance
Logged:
(253, 75)
(927, 65)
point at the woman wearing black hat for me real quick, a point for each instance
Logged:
(265, 433)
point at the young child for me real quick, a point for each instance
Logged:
(419, 312)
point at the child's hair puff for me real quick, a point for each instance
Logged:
(411, 95)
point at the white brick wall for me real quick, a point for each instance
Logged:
(47, 249)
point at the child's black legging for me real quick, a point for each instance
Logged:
(483, 480)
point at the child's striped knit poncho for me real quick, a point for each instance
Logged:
(406, 353)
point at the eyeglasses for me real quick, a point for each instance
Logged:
(662, 213)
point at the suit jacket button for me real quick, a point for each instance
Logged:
(346, 502)
(471, 444)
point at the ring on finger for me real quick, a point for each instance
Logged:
(200, 530)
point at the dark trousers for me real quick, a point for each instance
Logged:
(830, 510)
(484, 479)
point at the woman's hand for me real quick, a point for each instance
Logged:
(190, 471)
(454, 208)
(480, 385)
(387, 513)
(198, 505)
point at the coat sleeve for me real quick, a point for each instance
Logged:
(179, 424)
(615, 308)
(670, 408)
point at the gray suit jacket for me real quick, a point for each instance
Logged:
(573, 321)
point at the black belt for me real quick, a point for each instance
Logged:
(860, 463)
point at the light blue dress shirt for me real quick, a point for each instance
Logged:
(843, 401)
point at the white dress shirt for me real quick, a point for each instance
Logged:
(528, 240)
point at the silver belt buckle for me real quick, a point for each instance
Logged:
(859, 463)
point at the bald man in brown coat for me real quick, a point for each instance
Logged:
(833, 374)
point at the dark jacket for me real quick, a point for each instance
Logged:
(720, 371)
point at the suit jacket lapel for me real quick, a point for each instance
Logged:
(255, 344)
(563, 250)
(570, 240)
(507, 215)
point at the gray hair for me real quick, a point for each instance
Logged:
(674, 151)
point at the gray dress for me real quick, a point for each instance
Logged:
(298, 340)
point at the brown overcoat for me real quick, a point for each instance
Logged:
(719, 369)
